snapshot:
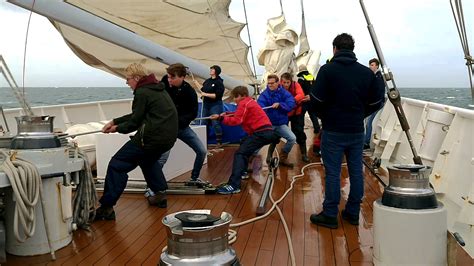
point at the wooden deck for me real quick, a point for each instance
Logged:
(138, 236)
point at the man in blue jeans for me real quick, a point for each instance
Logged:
(185, 100)
(374, 66)
(282, 102)
(345, 92)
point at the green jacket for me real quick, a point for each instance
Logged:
(153, 116)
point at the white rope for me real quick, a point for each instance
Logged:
(27, 188)
(233, 233)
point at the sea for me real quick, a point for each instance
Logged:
(41, 96)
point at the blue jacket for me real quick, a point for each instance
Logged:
(268, 97)
(345, 92)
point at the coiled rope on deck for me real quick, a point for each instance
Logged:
(26, 184)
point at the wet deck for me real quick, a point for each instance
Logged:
(138, 236)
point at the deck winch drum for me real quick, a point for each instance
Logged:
(35, 132)
(195, 237)
(409, 187)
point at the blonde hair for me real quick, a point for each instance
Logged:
(136, 70)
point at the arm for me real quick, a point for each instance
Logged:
(136, 118)
(287, 102)
(299, 97)
(318, 93)
(237, 118)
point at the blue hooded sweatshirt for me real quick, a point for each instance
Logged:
(278, 116)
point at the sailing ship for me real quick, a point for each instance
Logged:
(99, 32)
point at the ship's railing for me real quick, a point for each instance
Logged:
(444, 138)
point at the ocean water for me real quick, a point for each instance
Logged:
(460, 97)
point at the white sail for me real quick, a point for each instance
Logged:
(199, 29)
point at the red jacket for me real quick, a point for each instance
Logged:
(297, 92)
(250, 115)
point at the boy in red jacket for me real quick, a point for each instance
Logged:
(255, 122)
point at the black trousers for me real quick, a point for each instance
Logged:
(297, 126)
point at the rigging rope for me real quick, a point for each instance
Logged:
(458, 14)
(27, 188)
(241, 64)
(85, 197)
(25, 106)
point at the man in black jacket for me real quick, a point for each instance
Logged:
(345, 92)
(153, 111)
(186, 102)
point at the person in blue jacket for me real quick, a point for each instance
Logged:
(282, 102)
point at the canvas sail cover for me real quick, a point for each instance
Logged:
(277, 54)
(200, 29)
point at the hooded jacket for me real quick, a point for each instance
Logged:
(345, 92)
(268, 97)
(153, 116)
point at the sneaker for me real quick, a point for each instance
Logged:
(159, 200)
(228, 189)
(198, 181)
(323, 220)
(352, 219)
(104, 213)
(245, 175)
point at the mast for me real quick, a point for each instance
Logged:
(392, 91)
(81, 20)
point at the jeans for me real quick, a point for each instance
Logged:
(368, 128)
(333, 146)
(210, 109)
(285, 132)
(248, 146)
(125, 160)
(188, 136)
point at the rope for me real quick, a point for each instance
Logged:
(85, 197)
(241, 64)
(458, 14)
(25, 106)
(233, 233)
(27, 188)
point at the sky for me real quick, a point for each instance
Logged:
(418, 39)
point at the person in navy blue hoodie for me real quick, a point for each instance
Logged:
(345, 92)
(282, 102)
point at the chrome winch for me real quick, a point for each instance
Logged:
(35, 132)
(409, 187)
(195, 237)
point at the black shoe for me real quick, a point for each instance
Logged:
(366, 146)
(352, 219)
(305, 158)
(316, 151)
(159, 200)
(323, 220)
(104, 213)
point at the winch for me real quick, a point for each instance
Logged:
(35, 132)
(37, 147)
(196, 237)
(409, 187)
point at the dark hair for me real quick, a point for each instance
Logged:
(239, 91)
(287, 76)
(273, 76)
(343, 41)
(374, 60)
(217, 69)
(177, 69)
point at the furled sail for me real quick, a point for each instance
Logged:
(277, 54)
(307, 59)
(200, 29)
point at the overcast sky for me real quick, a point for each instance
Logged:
(418, 38)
